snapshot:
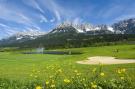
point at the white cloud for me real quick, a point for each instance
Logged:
(53, 7)
(52, 20)
(16, 15)
(3, 25)
(13, 15)
(57, 15)
(7, 29)
(43, 19)
(34, 4)
(47, 4)
(38, 7)
(58, 11)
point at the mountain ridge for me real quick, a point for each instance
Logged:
(121, 27)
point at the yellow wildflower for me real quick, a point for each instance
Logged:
(102, 74)
(47, 67)
(47, 82)
(52, 68)
(36, 76)
(76, 71)
(119, 71)
(122, 78)
(85, 85)
(78, 74)
(38, 87)
(123, 70)
(52, 86)
(83, 79)
(50, 76)
(66, 80)
(93, 85)
(60, 70)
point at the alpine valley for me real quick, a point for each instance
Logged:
(68, 34)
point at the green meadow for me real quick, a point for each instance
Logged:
(51, 71)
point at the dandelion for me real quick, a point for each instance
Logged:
(52, 86)
(75, 71)
(123, 70)
(93, 85)
(59, 70)
(85, 85)
(119, 71)
(38, 87)
(102, 74)
(78, 74)
(47, 67)
(121, 78)
(66, 80)
(52, 68)
(47, 82)
(83, 79)
(36, 76)
(50, 76)
(105, 81)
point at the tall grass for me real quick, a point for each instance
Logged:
(60, 79)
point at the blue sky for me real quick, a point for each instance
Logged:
(43, 15)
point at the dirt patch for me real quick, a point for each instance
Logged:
(105, 60)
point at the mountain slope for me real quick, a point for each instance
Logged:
(70, 34)
(82, 28)
(21, 37)
(125, 26)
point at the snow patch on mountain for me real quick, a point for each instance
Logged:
(110, 28)
(28, 34)
(84, 27)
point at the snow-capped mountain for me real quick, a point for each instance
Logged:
(29, 34)
(64, 28)
(125, 26)
(22, 36)
(121, 27)
(83, 28)
(69, 28)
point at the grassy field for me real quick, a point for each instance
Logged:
(61, 69)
